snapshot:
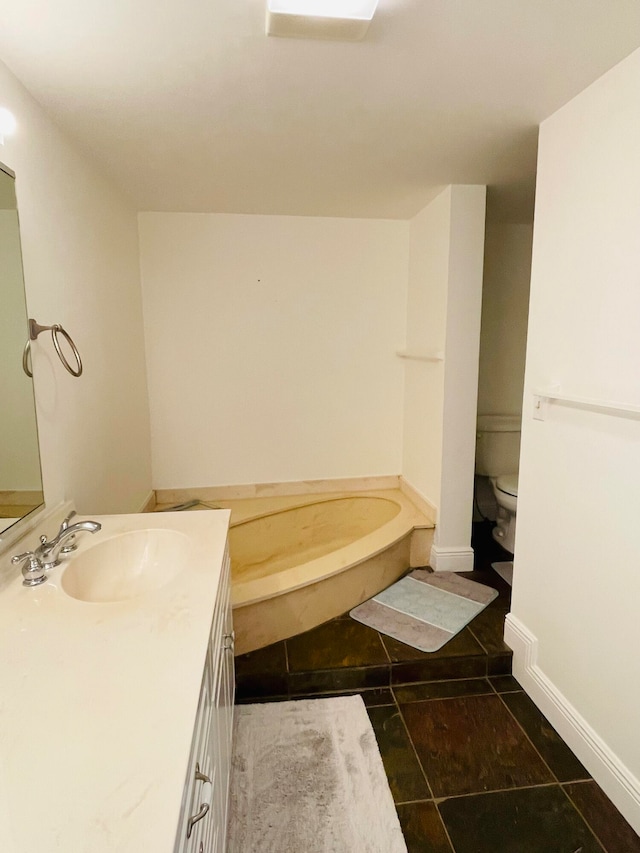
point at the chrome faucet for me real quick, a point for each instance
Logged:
(32, 569)
(48, 552)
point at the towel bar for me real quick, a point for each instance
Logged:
(56, 330)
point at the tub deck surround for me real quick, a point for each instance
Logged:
(99, 699)
(332, 532)
(290, 574)
(246, 491)
(301, 560)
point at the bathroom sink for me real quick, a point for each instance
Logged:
(126, 566)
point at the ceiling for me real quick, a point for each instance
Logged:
(189, 106)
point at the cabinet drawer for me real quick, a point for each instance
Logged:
(211, 746)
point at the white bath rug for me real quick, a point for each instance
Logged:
(505, 570)
(307, 777)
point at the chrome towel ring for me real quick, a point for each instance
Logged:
(56, 330)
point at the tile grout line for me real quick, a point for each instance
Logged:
(488, 692)
(531, 743)
(429, 788)
(438, 800)
(591, 829)
(415, 752)
(386, 651)
(558, 782)
(444, 826)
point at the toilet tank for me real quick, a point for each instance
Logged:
(497, 445)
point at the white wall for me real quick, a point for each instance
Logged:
(443, 315)
(452, 543)
(80, 248)
(271, 346)
(574, 622)
(505, 310)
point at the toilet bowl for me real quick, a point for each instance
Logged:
(497, 457)
(505, 489)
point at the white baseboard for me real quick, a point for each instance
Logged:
(613, 776)
(451, 559)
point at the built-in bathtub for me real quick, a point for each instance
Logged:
(297, 562)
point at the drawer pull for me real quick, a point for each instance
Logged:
(204, 808)
(228, 641)
(200, 777)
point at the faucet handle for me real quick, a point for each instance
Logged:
(46, 546)
(66, 521)
(32, 569)
(72, 544)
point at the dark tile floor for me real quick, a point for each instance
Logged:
(472, 764)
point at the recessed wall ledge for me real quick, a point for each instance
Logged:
(435, 355)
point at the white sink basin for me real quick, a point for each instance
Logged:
(126, 566)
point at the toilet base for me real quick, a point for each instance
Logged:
(505, 530)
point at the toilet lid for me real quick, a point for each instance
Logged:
(508, 483)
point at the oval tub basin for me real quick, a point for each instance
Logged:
(281, 540)
(294, 567)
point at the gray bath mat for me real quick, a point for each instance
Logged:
(425, 609)
(307, 777)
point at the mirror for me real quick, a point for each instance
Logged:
(20, 475)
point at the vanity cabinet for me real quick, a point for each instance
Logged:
(203, 817)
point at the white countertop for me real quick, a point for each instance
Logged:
(98, 700)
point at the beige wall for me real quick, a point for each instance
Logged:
(574, 621)
(80, 248)
(271, 346)
(443, 315)
(426, 334)
(505, 309)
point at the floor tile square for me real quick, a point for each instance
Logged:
(500, 664)
(603, 817)
(529, 820)
(472, 744)
(262, 673)
(561, 760)
(339, 643)
(405, 776)
(488, 628)
(423, 829)
(270, 659)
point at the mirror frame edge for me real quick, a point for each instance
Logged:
(21, 527)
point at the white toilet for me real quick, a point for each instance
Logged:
(497, 457)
